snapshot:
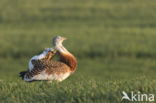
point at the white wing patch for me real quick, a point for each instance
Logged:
(38, 57)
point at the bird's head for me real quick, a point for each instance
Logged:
(58, 40)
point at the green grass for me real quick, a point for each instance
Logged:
(113, 40)
(73, 90)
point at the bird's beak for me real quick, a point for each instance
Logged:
(64, 38)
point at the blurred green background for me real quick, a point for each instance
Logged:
(112, 39)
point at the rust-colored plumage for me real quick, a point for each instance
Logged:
(69, 60)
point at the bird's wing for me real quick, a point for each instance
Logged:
(50, 67)
(39, 66)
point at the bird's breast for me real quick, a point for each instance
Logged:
(45, 76)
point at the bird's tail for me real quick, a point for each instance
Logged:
(22, 74)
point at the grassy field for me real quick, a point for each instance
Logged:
(113, 40)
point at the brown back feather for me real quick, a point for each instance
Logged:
(50, 67)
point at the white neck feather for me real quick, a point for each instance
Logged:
(59, 47)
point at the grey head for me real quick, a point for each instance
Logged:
(58, 40)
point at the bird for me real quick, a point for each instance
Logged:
(42, 67)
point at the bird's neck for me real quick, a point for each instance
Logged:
(59, 47)
(66, 57)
